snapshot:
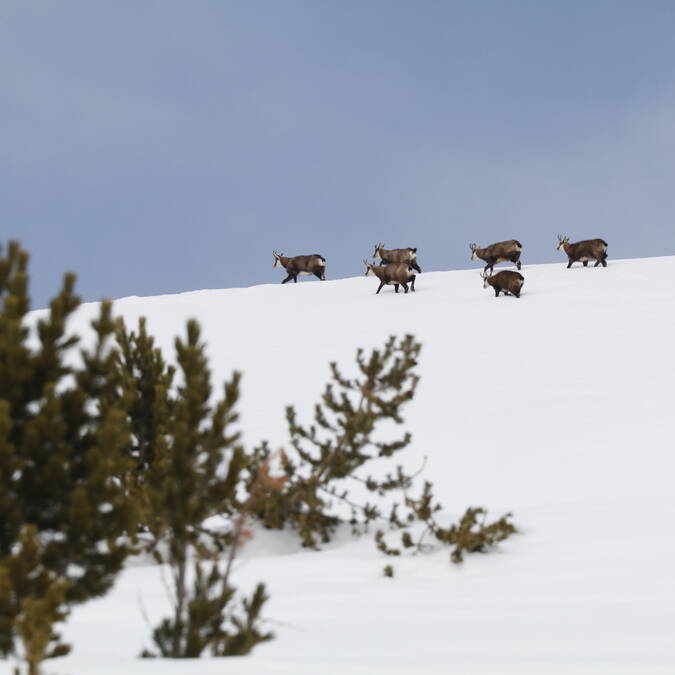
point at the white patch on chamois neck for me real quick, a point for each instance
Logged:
(474, 256)
(277, 264)
(370, 273)
(321, 263)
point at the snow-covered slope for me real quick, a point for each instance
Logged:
(557, 406)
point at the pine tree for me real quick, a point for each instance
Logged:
(63, 439)
(192, 472)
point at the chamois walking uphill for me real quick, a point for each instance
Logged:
(502, 251)
(396, 274)
(506, 281)
(397, 255)
(301, 264)
(583, 251)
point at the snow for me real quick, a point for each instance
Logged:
(557, 406)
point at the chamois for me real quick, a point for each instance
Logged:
(583, 251)
(502, 251)
(397, 255)
(301, 264)
(396, 274)
(507, 281)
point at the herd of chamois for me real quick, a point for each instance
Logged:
(398, 266)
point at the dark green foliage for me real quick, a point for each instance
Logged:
(388, 571)
(35, 598)
(245, 635)
(63, 436)
(339, 444)
(473, 535)
(146, 380)
(210, 621)
(190, 463)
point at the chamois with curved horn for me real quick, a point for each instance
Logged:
(396, 274)
(502, 251)
(583, 251)
(506, 281)
(300, 264)
(396, 255)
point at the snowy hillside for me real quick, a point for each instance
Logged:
(557, 406)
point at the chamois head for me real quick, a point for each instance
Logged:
(277, 260)
(561, 243)
(473, 248)
(369, 269)
(378, 248)
(485, 276)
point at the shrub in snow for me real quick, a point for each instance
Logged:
(336, 448)
(472, 534)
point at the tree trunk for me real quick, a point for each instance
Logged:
(178, 629)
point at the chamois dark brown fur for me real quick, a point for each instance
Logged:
(583, 251)
(396, 274)
(506, 281)
(301, 264)
(503, 251)
(397, 255)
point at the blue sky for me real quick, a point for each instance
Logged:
(159, 146)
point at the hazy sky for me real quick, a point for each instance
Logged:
(159, 146)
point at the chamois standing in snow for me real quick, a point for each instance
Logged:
(397, 255)
(583, 251)
(507, 281)
(503, 251)
(396, 274)
(301, 264)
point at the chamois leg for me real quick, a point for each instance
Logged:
(586, 263)
(416, 267)
(288, 278)
(569, 264)
(412, 283)
(497, 289)
(604, 260)
(295, 279)
(405, 286)
(319, 276)
(396, 287)
(517, 261)
(489, 266)
(380, 288)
